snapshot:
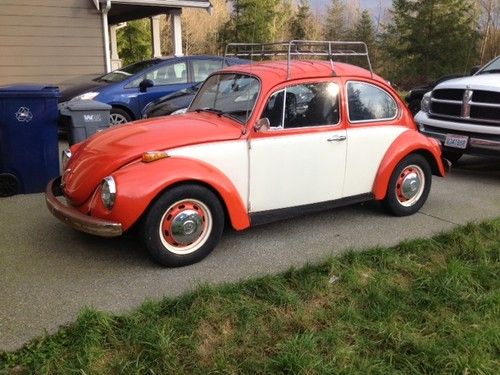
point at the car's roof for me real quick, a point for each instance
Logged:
(278, 70)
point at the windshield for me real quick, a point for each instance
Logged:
(130, 70)
(233, 95)
(492, 67)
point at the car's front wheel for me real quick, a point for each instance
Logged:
(183, 226)
(118, 116)
(409, 186)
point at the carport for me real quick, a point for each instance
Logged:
(115, 12)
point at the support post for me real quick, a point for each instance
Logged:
(175, 22)
(155, 35)
(116, 63)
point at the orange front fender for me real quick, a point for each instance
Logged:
(138, 184)
(405, 144)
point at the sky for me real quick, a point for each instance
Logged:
(371, 5)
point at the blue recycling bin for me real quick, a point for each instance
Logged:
(29, 151)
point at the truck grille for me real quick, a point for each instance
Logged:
(476, 106)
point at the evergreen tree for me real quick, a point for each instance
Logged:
(334, 27)
(364, 30)
(251, 21)
(283, 19)
(301, 23)
(430, 38)
(134, 41)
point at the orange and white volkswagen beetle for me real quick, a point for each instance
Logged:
(260, 142)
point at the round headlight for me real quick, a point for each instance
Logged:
(65, 156)
(108, 192)
(425, 104)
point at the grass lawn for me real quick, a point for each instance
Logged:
(424, 306)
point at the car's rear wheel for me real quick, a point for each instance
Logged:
(118, 116)
(409, 186)
(183, 226)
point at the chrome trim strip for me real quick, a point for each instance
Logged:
(446, 101)
(482, 104)
(477, 143)
(463, 118)
(75, 218)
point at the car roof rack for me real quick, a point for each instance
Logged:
(299, 48)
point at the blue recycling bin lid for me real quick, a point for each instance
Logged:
(29, 91)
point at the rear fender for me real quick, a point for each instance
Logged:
(138, 184)
(405, 144)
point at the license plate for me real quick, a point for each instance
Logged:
(456, 141)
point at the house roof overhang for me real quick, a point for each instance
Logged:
(128, 10)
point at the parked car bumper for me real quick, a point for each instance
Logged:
(484, 140)
(75, 218)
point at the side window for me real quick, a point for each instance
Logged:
(310, 104)
(368, 103)
(202, 68)
(165, 75)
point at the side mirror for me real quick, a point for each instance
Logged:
(262, 124)
(145, 84)
(474, 69)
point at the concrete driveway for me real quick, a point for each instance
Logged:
(48, 271)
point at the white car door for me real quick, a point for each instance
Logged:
(300, 160)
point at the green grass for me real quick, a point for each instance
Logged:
(424, 306)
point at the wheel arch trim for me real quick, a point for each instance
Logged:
(408, 142)
(140, 184)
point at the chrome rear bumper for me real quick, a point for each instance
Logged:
(75, 218)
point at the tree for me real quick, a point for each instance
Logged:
(283, 19)
(334, 27)
(251, 21)
(134, 41)
(301, 23)
(364, 30)
(430, 38)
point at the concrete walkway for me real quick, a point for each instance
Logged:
(48, 271)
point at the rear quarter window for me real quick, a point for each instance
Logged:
(367, 102)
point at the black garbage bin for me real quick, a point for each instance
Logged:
(83, 118)
(29, 152)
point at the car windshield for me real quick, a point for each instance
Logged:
(492, 67)
(130, 70)
(232, 95)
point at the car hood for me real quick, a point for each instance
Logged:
(490, 82)
(109, 150)
(80, 85)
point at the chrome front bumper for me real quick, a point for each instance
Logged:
(440, 129)
(75, 218)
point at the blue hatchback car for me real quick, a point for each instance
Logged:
(129, 89)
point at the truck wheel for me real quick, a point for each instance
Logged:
(452, 156)
(414, 106)
(409, 186)
(183, 226)
(118, 116)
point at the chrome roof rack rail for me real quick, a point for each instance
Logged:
(299, 48)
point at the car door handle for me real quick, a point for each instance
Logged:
(337, 138)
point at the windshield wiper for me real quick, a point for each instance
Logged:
(218, 112)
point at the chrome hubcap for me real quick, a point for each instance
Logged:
(187, 227)
(410, 185)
